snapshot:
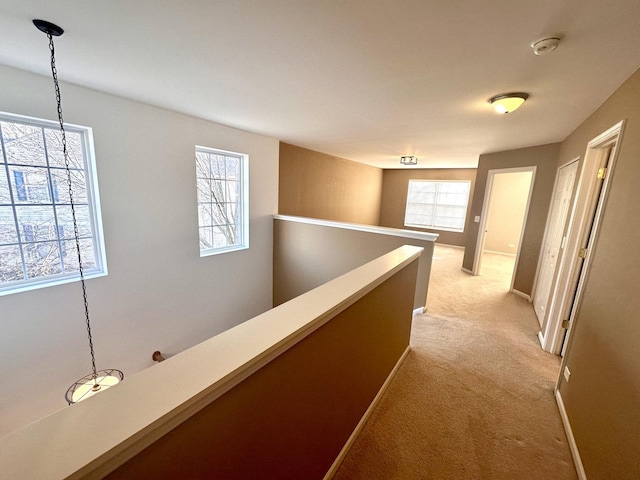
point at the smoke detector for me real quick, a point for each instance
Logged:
(545, 45)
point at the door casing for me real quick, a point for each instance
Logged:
(477, 260)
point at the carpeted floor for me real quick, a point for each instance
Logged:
(474, 397)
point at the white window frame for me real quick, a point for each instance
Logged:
(93, 201)
(432, 225)
(241, 226)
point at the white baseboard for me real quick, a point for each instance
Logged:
(508, 254)
(449, 245)
(466, 270)
(522, 294)
(572, 441)
(419, 311)
(541, 339)
(365, 417)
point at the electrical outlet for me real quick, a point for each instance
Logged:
(567, 373)
(512, 245)
(476, 219)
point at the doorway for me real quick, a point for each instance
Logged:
(580, 236)
(504, 215)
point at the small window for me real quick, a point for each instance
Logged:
(222, 200)
(439, 205)
(37, 241)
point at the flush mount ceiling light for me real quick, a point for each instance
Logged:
(508, 102)
(409, 160)
(97, 380)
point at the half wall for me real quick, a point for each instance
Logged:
(309, 252)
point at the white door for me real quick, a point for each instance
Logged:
(553, 239)
(582, 230)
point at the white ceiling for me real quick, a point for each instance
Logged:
(364, 80)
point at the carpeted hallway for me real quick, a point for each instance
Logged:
(474, 397)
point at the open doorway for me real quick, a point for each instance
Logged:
(504, 214)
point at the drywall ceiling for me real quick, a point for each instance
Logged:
(364, 80)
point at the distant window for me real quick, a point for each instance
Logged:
(222, 200)
(37, 244)
(439, 205)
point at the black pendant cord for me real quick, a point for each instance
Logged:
(54, 72)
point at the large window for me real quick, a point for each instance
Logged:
(440, 205)
(222, 200)
(37, 245)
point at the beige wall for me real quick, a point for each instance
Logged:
(509, 195)
(307, 255)
(291, 418)
(159, 294)
(545, 158)
(602, 398)
(316, 185)
(394, 197)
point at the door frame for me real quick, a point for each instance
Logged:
(567, 292)
(477, 260)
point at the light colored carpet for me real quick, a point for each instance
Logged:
(474, 397)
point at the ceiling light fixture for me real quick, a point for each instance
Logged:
(97, 380)
(508, 102)
(409, 160)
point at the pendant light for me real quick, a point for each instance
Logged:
(97, 380)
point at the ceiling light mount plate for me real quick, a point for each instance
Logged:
(48, 28)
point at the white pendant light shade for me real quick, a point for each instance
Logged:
(89, 385)
(508, 102)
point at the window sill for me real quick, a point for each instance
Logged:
(441, 229)
(218, 251)
(8, 290)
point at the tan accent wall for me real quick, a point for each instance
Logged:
(290, 419)
(316, 185)
(602, 398)
(545, 158)
(306, 256)
(394, 197)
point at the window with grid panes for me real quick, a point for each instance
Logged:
(439, 205)
(221, 179)
(37, 244)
